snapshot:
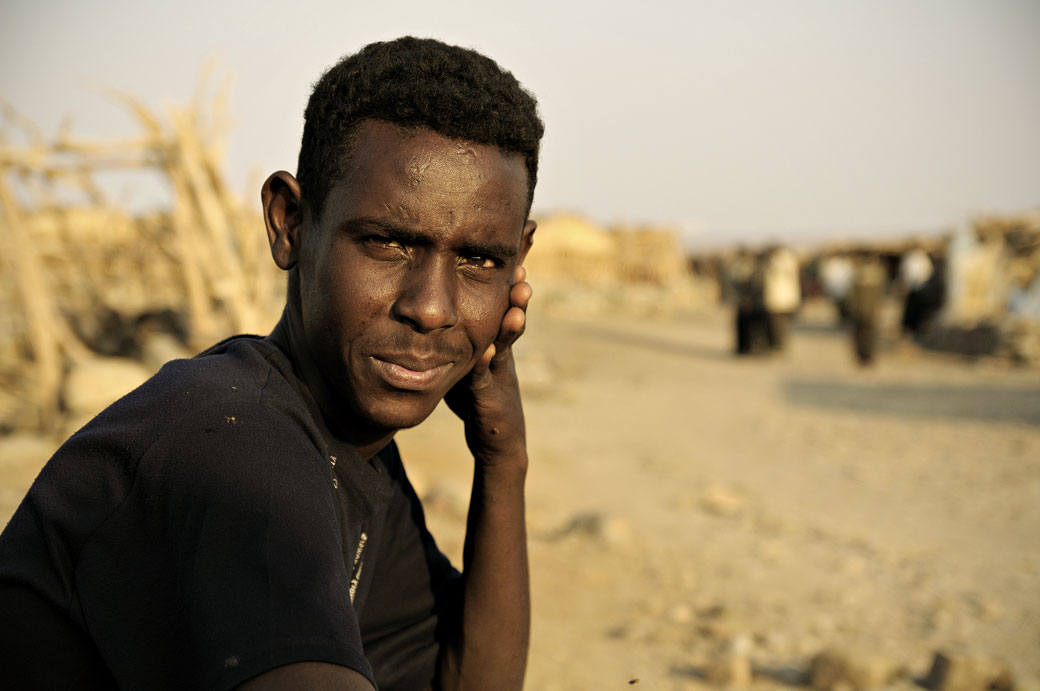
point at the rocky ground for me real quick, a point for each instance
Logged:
(700, 520)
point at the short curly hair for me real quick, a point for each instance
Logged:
(414, 82)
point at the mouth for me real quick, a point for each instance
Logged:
(409, 375)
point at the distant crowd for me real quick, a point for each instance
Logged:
(767, 289)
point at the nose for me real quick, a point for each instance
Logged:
(426, 301)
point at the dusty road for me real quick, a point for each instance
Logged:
(683, 500)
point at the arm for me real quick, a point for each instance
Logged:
(490, 649)
(308, 675)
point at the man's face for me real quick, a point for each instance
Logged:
(404, 282)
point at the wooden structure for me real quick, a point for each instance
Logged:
(76, 262)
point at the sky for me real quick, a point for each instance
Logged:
(741, 119)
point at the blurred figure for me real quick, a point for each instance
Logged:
(746, 278)
(836, 272)
(738, 280)
(865, 298)
(782, 293)
(925, 291)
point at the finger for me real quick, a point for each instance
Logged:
(513, 323)
(520, 294)
(520, 274)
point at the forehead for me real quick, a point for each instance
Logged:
(412, 170)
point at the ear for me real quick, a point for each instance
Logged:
(526, 240)
(284, 211)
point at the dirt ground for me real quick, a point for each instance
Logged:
(684, 502)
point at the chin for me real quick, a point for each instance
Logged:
(401, 414)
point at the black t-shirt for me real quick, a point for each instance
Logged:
(206, 528)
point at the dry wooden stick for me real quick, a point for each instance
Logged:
(226, 274)
(190, 250)
(39, 311)
(191, 256)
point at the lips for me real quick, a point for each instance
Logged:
(411, 375)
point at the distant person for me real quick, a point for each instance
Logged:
(865, 301)
(747, 272)
(836, 273)
(244, 519)
(782, 293)
(739, 272)
(925, 278)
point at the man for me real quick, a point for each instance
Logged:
(836, 273)
(781, 293)
(915, 274)
(869, 285)
(243, 519)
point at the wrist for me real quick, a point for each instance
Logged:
(508, 462)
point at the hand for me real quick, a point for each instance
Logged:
(488, 398)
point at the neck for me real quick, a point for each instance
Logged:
(289, 336)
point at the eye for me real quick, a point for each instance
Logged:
(382, 246)
(482, 262)
(385, 242)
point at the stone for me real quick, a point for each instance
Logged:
(447, 498)
(942, 616)
(680, 613)
(834, 670)
(990, 610)
(719, 623)
(158, 348)
(94, 385)
(25, 450)
(614, 531)
(965, 672)
(773, 525)
(732, 665)
(772, 640)
(724, 501)
(538, 376)
(21, 457)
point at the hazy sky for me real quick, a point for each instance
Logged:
(761, 117)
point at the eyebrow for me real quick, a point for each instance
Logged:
(408, 236)
(392, 231)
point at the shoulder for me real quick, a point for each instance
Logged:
(237, 373)
(233, 416)
(210, 419)
(239, 367)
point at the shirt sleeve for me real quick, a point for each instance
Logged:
(225, 560)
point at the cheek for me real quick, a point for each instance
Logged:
(335, 318)
(350, 299)
(484, 309)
